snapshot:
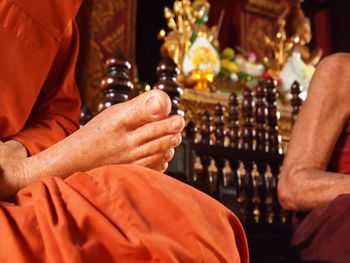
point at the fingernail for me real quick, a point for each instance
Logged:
(154, 106)
(168, 155)
(177, 124)
(175, 140)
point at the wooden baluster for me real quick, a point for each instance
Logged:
(247, 144)
(219, 125)
(233, 136)
(233, 121)
(247, 109)
(269, 201)
(190, 131)
(260, 117)
(219, 141)
(272, 116)
(168, 72)
(205, 131)
(190, 136)
(85, 116)
(117, 85)
(296, 101)
(274, 144)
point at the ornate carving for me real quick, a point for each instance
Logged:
(104, 25)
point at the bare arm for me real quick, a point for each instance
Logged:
(304, 183)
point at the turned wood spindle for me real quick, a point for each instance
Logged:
(296, 101)
(233, 135)
(261, 188)
(191, 131)
(206, 138)
(272, 115)
(220, 141)
(219, 125)
(206, 129)
(247, 187)
(260, 181)
(167, 72)
(260, 117)
(247, 110)
(274, 143)
(116, 85)
(275, 170)
(85, 116)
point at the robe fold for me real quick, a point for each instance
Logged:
(40, 101)
(118, 214)
(110, 214)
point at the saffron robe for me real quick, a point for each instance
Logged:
(118, 214)
(40, 101)
(110, 214)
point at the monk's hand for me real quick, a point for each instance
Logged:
(12, 150)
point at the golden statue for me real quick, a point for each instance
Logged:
(299, 35)
(300, 30)
(191, 43)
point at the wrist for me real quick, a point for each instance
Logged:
(12, 179)
(16, 149)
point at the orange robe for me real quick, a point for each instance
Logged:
(38, 49)
(110, 214)
(118, 214)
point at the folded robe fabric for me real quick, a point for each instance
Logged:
(323, 236)
(118, 214)
(39, 98)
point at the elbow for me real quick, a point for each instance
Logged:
(287, 190)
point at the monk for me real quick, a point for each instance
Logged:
(314, 176)
(89, 195)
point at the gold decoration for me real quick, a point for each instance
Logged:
(300, 30)
(103, 29)
(299, 33)
(187, 22)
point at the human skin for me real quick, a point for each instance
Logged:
(304, 183)
(12, 150)
(136, 132)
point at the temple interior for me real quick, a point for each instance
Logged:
(237, 70)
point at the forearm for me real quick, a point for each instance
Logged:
(62, 159)
(307, 189)
(15, 174)
(304, 182)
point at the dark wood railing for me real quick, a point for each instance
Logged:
(233, 154)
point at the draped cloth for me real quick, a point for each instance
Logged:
(39, 98)
(110, 214)
(118, 214)
(323, 234)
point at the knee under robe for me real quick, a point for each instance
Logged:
(111, 214)
(118, 214)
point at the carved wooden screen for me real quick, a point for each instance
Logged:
(104, 25)
(258, 20)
